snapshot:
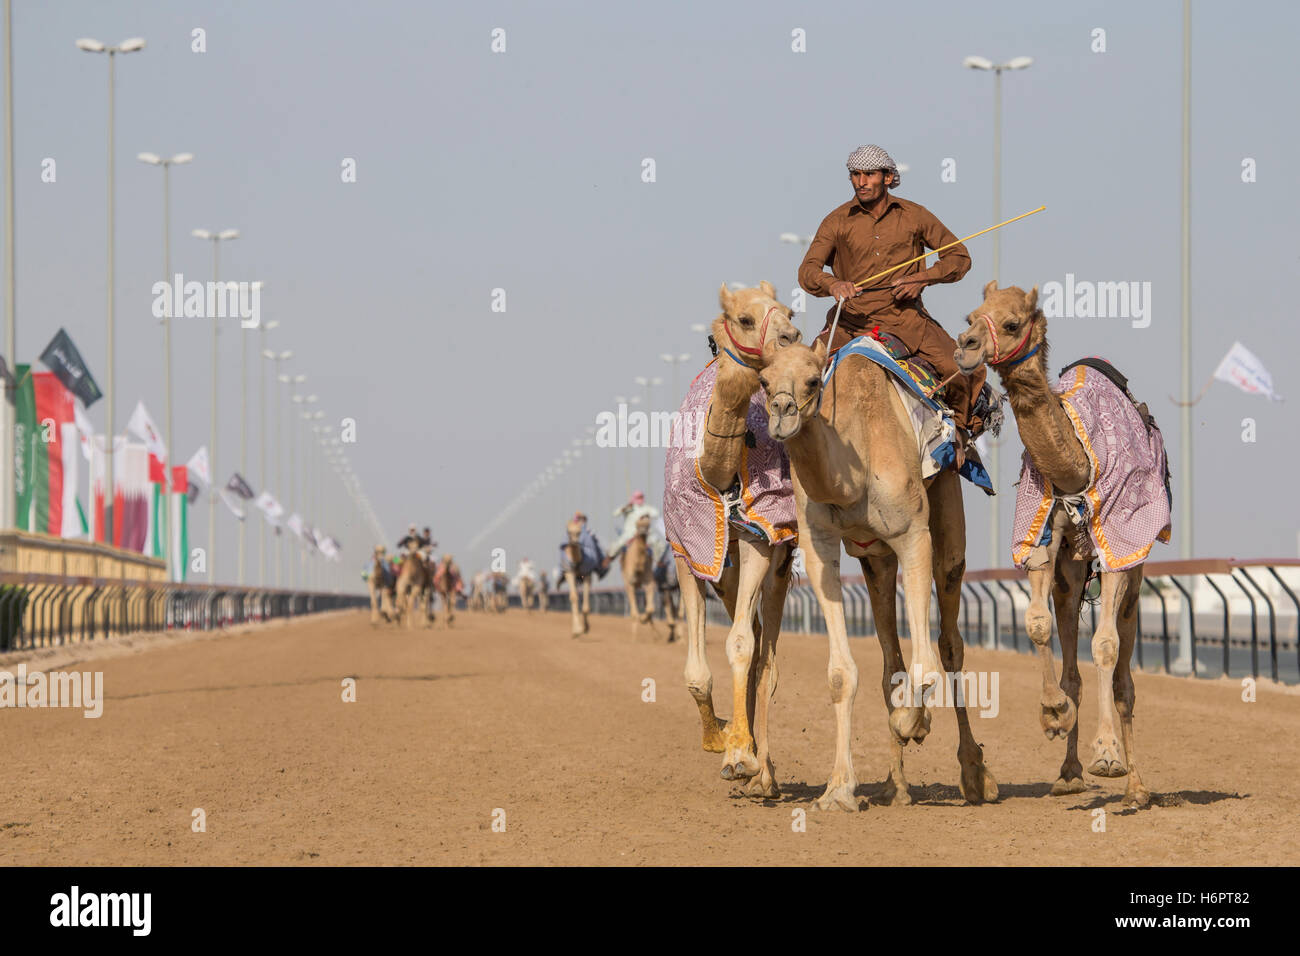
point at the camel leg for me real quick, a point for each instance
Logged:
(1135, 794)
(649, 590)
(739, 759)
(1057, 713)
(771, 608)
(1067, 596)
(570, 579)
(880, 573)
(586, 604)
(822, 561)
(374, 607)
(912, 720)
(698, 679)
(948, 524)
(1107, 759)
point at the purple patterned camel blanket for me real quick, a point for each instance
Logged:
(1125, 508)
(697, 516)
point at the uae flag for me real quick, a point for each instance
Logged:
(46, 453)
(180, 506)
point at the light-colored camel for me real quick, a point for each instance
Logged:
(447, 582)
(527, 593)
(857, 481)
(754, 586)
(573, 554)
(412, 586)
(375, 581)
(635, 564)
(1054, 447)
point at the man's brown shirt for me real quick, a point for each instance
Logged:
(856, 245)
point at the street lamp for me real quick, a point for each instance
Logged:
(215, 238)
(180, 159)
(674, 361)
(649, 383)
(95, 46)
(261, 386)
(980, 63)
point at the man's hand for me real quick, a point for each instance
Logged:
(843, 289)
(907, 287)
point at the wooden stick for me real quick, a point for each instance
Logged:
(948, 246)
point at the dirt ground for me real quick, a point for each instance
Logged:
(508, 713)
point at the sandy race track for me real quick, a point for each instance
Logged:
(509, 713)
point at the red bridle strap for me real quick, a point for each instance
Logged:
(993, 338)
(762, 334)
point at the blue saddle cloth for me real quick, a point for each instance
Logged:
(944, 455)
(592, 556)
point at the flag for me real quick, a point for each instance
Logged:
(197, 473)
(1241, 368)
(267, 504)
(46, 450)
(180, 523)
(237, 485)
(295, 524)
(142, 427)
(230, 502)
(132, 497)
(85, 430)
(62, 357)
(98, 478)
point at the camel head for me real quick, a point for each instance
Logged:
(1007, 326)
(643, 526)
(791, 380)
(574, 530)
(750, 320)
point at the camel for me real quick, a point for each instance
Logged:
(527, 586)
(857, 481)
(635, 563)
(447, 582)
(375, 581)
(412, 585)
(754, 584)
(498, 599)
(665, 575)
(1009, 333)
(573, 576)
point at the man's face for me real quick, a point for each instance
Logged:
(869, 186)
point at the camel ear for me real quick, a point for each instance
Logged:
(724, 298)
(1031, 299)
(819, 349)
(768, 289)
(990, 286)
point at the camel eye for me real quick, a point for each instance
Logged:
(763, 383)
(812, 383)
(746, 322)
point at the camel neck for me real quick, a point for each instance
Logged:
(1044, 426)
(723, 442)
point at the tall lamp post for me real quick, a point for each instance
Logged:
(94, 46)
(180, 159)
(980, 63)
(276, 359)
(649, 383)
(261, 440)
(215, 238)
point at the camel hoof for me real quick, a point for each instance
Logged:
(1058, 718)
(838, 798)
(979, 786)
(762, 788)
(739, 765)
(910, 723)
(1106, 759)
(1138, 796)
(894, 795)
(1062, 787)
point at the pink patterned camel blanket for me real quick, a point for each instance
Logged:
(697, 516)
(1125, 508)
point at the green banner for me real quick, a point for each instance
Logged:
(25, 441)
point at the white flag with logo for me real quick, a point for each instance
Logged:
(295, 524)
(85, 431)
(231, 502)
(269, 507)
(142, 427)
(197, 469)
(1240, 367)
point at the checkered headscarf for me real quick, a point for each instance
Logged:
(866, 158)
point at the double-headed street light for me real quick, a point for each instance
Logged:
(180, 159)
(95, 46)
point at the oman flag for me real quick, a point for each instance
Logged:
(179, 520)
(46, 452)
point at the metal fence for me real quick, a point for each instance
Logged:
(1243, 615)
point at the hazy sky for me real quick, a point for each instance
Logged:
(522, 171)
